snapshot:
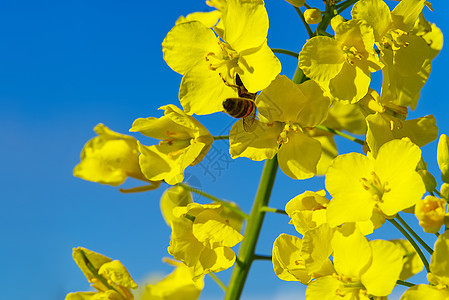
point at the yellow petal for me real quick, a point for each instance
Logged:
(259, 66)
(187, 44)
(257, 145)
(288, 263)
(395, 166)
(173, 197)
(352, 252)
(245, 23)
(376, 13)
(183, 244)
(386, 265)
(83, 256)
(328, 153)
(351, 202)
(355, 82)
(316, 248)
(203, 91)
(213, 230)
(116, 272)
(321, 59)
(177, 285)
(439, 266)
(422, 291)
(209, 18)
(406, 12)
(299, 156)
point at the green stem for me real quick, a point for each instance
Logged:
(262, 257)
(412, 241)
(226, 204)
(342, 134)
(344, 5)
(405, 283)
(307, 6)
(439, 194)
(329, 13)
(221, 137)
(273, 210)
(283, 51)
(301, 15)
(252, 231)
(414, 234)
(218, 281)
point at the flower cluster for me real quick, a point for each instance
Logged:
(223, 57)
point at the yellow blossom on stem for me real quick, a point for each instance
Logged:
(109, 277)
(184, 142)
(286, 111)
(210, 63)
(363, 268)
(202, 238)
(361, 185)
(109, 158)
(178, 285)
(342, 66)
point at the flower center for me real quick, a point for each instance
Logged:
(375, 186)
(351, 54)
(289, 126)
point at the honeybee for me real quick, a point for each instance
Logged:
(242, 107)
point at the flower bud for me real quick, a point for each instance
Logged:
(443, 157)
(428, 179)
(313, 16)
(430, 213)
(444, 191)
(296, 3)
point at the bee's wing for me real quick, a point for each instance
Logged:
(249, 124)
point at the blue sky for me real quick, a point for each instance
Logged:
(66, 66)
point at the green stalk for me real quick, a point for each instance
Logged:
(221, 137)
(273, 210)
(405, 283)
(283, 51)
(226, 204)
(246, 253)
(344, 5)
(414, 234)
(412, 241)
(342, 134)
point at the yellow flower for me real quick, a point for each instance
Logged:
(431, 212)
(407, 43)
(286, 112)
(110, 158)
(387, 184)
(178, 285)
(386, 121)
(342, 65)
(210, 63)
(363, 268)
(184, 142)
(202, 238)
(109, 277)
(292, 257)
(438, 277)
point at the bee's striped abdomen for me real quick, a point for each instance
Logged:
(238, 107)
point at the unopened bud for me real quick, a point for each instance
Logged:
(443, 157)
(444, 191)
(430, 213)
(428, 179)
(313, 16)
(296, 3)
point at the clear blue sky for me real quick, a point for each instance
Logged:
(66, 66)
